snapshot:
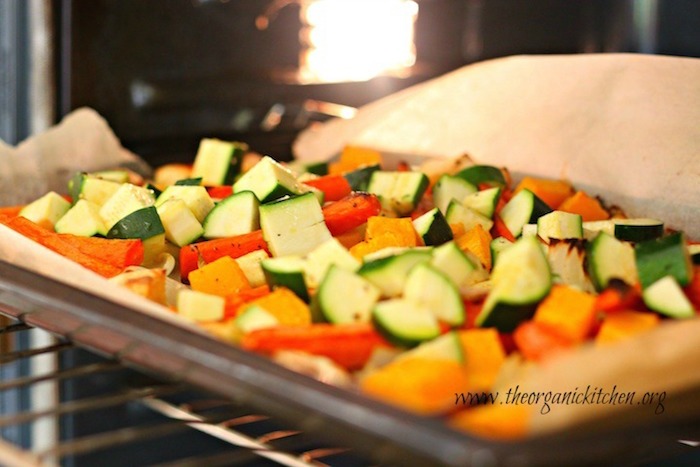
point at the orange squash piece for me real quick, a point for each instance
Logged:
(422, 385)
(478, 241)
(588, 207)
(494, 421)
(384, 232)
(552, 192)
(352, 158)
(625, 324)
(570, 311)
(221, 277)
(483, 356)
(284, 305)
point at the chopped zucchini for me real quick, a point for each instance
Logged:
(498, 244)
(666, 297)
(477, 174)
(251, 265)
(345, 297)
(143, 223)
(469, 218)
(199, 306)
(610, 258)
(390, 273)
(484, 202)
(331, 252)
(287, 271)
(359, 178)
(434, 290)
(218, 162)
(118, 176)
(521, 279)
(560, 225)
(196, 198)
(234, 215)
(255, 317)
(293, 226)
(127, 199)
(181, 227)
(188, 182)
(433, 228)
(446, 347)
(666, 256)
(82, 219)
(404, 322)
(462, 268)
(47, 210)
(449, 187)
(269, 180)
(91, 188)
(523, 208)
(638, 230)
(398, 192)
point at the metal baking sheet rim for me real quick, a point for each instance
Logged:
(123, 326)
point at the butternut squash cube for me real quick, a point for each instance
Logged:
(569, 311)
(221, 277)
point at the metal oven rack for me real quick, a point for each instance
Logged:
(174, 381)
(140, 418)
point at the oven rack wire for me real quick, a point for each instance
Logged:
(176, 407)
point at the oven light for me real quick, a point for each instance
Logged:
(356, 40)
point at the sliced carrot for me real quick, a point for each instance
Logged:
(348, 345)
(334, 187)
(9, 212)
(552, 192)
(422, 385)
(58, 244)
(537, 341)
(350, 212)
(119, 253)
(205, 252)
(588, 207)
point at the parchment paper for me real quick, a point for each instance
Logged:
(620, 125)
(623, 126)
(82, 141)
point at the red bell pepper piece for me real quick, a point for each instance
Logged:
(500, 229)
(334, 187)
(350, 212)
(348, 345)
(220, 192)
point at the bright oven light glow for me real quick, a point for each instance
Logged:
(356, 40)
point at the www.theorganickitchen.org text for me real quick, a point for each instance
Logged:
(589, 395)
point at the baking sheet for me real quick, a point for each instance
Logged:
(647, 364)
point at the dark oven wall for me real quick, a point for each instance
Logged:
(167, 73)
